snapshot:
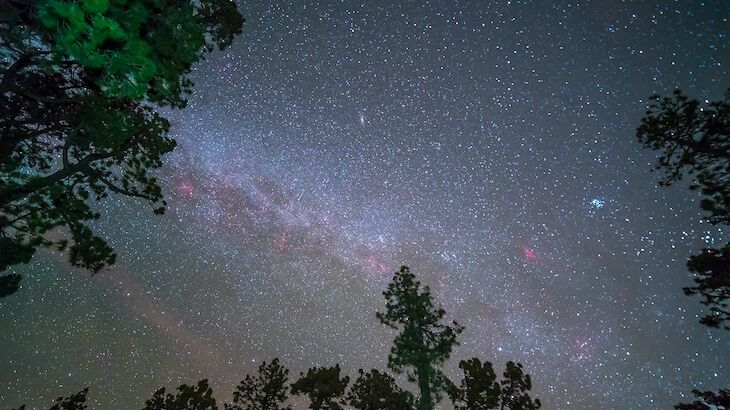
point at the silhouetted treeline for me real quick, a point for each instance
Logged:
(422, 345)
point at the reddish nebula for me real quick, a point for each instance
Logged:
(581, 347)
(281, 242)
(185, 188)
(374, 263)
(529, 253)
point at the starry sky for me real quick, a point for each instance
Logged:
(487, 145)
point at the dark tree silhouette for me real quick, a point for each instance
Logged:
(9, 284)
(422, 346)
(377, 391)
(479, 389)
(694, 141)
(515, 385)
(74, 402)
(267, 391)
(323, 386)
(424, 342)
(712, 276)
(198, 397)
(79, 82)
(707, 401)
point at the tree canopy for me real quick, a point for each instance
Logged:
(515, 387)
(693, 141)
(73, 402)
(198, 397)
(424, 341)
(707, 400)
(80, 84)
(479, 389)
(324, 388)
(374, 390)
(266, 391)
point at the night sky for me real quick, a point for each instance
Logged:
(487, 145)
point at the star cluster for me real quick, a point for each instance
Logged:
(487, 145)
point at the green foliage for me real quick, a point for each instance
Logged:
(81, 84)
(198, 397)
(693, 141)
(138, 49)
(323, 386)
(378, 391)
(267, 391)
(423, 343)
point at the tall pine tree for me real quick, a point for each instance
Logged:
(424, 342)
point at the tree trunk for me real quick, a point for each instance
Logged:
(423, 369)
(424, 384)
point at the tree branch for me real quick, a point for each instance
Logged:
(122, 191)
(13, 194)
(9, 77)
